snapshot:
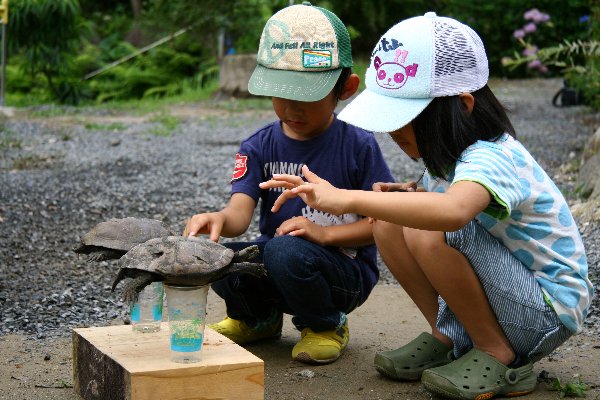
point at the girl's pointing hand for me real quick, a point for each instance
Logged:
(316, 192)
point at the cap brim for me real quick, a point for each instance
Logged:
(292, 85)
(377, 113)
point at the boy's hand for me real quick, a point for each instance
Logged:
(302, 226)
(207, 223)
(395, 187)
(316, 192)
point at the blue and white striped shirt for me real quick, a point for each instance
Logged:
(530, 216)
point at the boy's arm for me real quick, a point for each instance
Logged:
(355, 234)
(231, 221)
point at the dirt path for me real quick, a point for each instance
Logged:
(31, 370)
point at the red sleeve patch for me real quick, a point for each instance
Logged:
(240, 168)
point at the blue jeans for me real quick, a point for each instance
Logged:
(317, 285)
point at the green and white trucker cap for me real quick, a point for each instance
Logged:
(301, 54)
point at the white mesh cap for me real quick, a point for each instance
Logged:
(415, 61)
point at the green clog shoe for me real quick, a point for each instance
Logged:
(479, 376)
(408, 362)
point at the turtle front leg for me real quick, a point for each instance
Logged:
(105, 254)
(123, 273)
(132, 289)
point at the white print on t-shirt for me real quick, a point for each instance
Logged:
(325, 219)
(282, 167)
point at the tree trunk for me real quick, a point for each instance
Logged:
(136, 35)
(136, 6)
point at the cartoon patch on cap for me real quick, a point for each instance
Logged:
(394, 74)
(240, 168)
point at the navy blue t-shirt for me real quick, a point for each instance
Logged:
(346, 156)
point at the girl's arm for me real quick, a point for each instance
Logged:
(446, 212)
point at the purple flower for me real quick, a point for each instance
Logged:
(531, 14)
(583, 19)
(535, 64)
(536, 16)
(530, 28)
(530, 50)
(519, 34)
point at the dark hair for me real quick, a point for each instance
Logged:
(339, 85)
(444, 129)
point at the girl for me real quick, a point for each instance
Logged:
(488, 249)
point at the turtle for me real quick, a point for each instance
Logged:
(185, 261)
(111, 239)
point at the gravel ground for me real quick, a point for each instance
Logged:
(59, 176)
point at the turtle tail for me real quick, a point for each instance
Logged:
(255, 269)
(245, 254)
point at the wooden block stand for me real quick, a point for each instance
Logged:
(116, 363)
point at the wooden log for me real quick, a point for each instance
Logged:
(116, 363)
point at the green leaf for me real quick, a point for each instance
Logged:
(571, 389)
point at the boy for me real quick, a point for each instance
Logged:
(320, 266)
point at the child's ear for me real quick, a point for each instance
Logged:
(350, 87)
(468, 101)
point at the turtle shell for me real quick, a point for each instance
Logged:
(123, 234)
(180, 260)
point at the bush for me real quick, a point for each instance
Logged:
(161, 72)
(577, 61)
(496, 22)
(48, 48)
